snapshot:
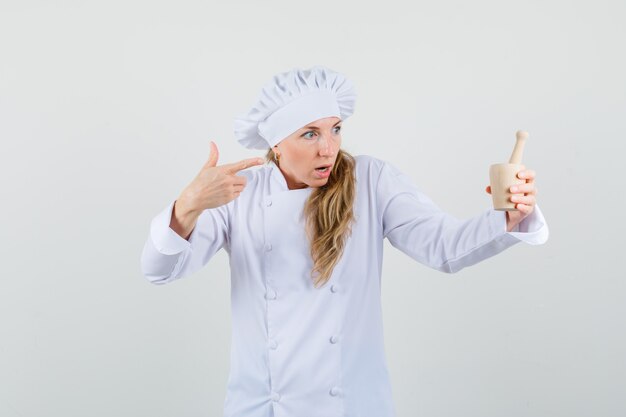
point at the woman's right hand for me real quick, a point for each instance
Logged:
(214, 186)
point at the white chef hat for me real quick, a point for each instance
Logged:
(290, 101)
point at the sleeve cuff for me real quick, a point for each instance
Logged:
(166, 240)
(532, 230)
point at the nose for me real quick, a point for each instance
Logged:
(325, 146)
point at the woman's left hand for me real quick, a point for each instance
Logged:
(525, 204)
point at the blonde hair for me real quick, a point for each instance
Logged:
(329, 216)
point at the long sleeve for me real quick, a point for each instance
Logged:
(414, 224)
(167, 256)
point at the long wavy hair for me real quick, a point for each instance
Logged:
(329, 215)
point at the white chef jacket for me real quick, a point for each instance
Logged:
(297, 351)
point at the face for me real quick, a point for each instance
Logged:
(308, 155)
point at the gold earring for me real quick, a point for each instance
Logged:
(277, 157)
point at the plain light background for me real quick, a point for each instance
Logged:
(106, 113)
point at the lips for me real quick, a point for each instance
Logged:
(323, 171)
(323, 168)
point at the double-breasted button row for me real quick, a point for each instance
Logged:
(334, 391)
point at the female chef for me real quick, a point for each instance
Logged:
(304, 233)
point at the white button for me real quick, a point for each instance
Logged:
(272, 344)
(270, 294)
(334, 339)
(334, 391)
(334, 288)
(275, 396)
(268, 247)
(268, 203)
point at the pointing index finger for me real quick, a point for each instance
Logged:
(246, 163)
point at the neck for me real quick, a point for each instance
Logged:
(292, 184)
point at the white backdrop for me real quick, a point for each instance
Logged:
(106, 113)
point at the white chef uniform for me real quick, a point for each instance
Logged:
(298, 351)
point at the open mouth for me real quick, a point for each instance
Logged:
(324, 168)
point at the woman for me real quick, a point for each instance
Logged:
(304, 233)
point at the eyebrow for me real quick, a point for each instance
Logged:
(317, 128)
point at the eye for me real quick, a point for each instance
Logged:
(308, 137)
(338, 129)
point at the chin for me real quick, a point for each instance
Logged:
(320, 182)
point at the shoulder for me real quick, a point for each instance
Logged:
(370, 167)
(367, 160)
(364, 163)
(382, 178)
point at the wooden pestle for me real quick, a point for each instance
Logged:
(516, 156)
